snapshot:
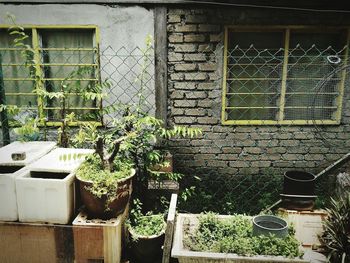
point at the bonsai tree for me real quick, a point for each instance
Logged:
(133, 138)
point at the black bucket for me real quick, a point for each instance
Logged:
(298, 191)
(299, 183)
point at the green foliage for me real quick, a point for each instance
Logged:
(234, 235)
(104, 182)
(11, 109)
(29, 131)
(91, 92)
(337, 229)
(70, 157)
(145, 225)
(223, 194)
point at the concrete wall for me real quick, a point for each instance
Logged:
(120, 26)
(195, 90)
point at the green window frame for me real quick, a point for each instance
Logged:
(276, 86)
(43, 108)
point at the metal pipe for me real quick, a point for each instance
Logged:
(329, 168)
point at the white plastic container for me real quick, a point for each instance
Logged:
(10, 168)
(184, 255)
(45, 191)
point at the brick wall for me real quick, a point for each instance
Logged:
(195, 50)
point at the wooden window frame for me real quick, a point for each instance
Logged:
(37, 57)
(281, 120)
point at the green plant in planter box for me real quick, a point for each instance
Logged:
(234, 235)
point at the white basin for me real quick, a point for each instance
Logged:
(45, 190)
(10, 168)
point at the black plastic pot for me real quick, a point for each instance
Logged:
(298, 190)
(299, 183)
(268, 224)
(146, 249)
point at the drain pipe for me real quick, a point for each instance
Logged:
(334, 165)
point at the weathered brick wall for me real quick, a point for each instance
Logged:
(195, 50)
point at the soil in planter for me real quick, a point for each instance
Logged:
(48, 175)
(5, 169)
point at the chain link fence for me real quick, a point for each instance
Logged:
(259, 114)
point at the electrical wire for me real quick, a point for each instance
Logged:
(269, 7)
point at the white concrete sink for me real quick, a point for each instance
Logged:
(45, 190)
(10, 168)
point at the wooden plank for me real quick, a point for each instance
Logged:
(284, 76)
(112, 243)
(21, 242)
(160, 51)
(224, 82)
(168, 240)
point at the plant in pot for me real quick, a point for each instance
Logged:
(105, 178)
(336, 237)
(146, 233)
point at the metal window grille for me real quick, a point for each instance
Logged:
(272, 76)
(50, 67)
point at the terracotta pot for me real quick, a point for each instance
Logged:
(96, 207)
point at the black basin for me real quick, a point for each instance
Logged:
(299, 183)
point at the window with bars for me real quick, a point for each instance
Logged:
(62, 59)
(284, 75)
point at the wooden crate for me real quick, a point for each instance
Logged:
(97, 239)
(308, 225)
(23, 242)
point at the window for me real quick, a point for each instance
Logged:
(63, 58)
(284, 75)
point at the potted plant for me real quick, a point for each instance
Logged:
(146, 233)
(211, 237)
(105, 178)
(336, 236)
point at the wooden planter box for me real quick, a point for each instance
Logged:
(187, 256)
(308, 225)
(97, 239)
(40, 243)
